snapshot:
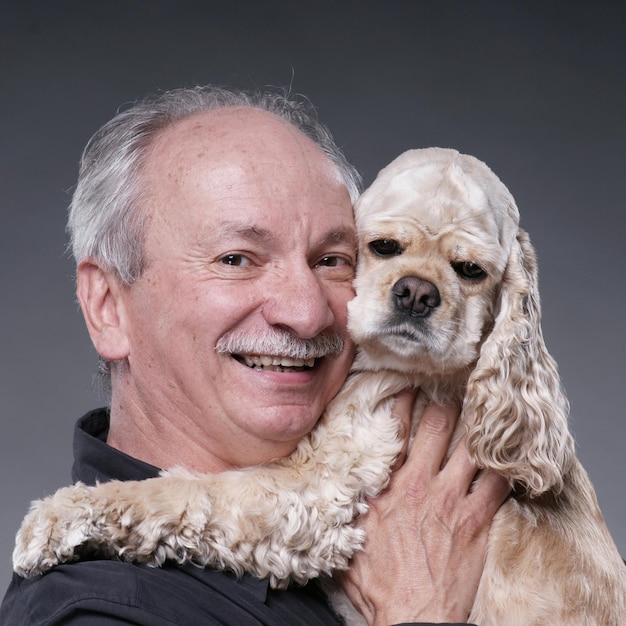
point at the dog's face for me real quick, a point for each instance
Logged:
(435, 229)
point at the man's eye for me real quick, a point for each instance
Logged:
(385, 247)
(334, 261)
(235, 260)
(330, 261)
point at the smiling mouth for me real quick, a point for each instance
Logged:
(275, 363)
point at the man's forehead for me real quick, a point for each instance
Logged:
(226, 124)
(237, 137)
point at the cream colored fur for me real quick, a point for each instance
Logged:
(447, 329)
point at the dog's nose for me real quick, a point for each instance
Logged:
(416, 296)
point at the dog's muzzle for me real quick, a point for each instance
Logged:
(415, 296)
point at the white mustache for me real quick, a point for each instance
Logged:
(281, 343)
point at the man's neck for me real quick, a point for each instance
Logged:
(166, 441)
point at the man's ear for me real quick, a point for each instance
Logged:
(100, 295)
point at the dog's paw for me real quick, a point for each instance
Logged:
(144, 522)
(51, 532)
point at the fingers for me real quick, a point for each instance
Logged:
(461, 469)
(433, 437)
(489, 492)
(430, 449)
(403, 411)
(426, 534)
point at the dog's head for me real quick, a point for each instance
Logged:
(446, 289)
(436, 229)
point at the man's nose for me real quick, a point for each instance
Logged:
(298, 302)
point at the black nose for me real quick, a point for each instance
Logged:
(416, 296)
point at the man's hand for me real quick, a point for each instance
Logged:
(426, 534)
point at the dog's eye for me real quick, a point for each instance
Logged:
(385, 247)
(469, 271)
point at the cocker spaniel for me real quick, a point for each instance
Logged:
(446, 301)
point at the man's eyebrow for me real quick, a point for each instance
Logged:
(341, 236)
(244, 231)
(255, 233)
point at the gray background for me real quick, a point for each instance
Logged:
(536, 89)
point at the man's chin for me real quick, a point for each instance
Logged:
(286, 424)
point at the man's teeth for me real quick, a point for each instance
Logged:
(277, 363)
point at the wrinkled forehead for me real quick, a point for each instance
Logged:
(437, 197)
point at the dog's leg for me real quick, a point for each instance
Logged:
(241, 521)
(290, 520)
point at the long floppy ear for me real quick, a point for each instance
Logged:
(515, 409)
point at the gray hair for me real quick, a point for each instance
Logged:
(106, 216)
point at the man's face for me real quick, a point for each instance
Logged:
(250, 230)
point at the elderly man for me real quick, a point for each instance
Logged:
(215, 248)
